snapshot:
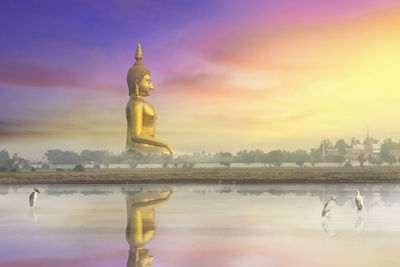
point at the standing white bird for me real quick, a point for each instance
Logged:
(33, 197)
(359, 201)
(328, 206)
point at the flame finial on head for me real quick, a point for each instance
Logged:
(138, 54)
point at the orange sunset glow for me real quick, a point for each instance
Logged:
(258, 83)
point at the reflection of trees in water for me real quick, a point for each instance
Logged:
(87, 193)
(4, 190)
(203, 192)
(221, 189)
(250, 192)
(313, 193)
(225, 190)
(388, 198)
(373, 194)
(57, 190)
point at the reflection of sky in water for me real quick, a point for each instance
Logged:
(203, 225)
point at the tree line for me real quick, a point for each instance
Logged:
(272, 158)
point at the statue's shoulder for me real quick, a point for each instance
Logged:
(135, 103)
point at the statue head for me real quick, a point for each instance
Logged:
(139, 77)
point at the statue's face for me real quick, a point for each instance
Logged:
(145, 86)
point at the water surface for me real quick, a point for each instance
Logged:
(199, 225)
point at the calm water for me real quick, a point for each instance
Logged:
(199, 225)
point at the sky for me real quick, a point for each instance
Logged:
(228, 75)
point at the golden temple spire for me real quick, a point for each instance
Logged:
(138, 54)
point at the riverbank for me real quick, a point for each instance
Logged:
(243, 175)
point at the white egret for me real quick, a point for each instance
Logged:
(33, 197)
(359, 201)
(328, 207)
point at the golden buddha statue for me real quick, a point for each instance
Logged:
(140, 115)
(141, 224)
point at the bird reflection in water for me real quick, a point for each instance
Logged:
(359, 225)
(141, 226)
(328, 229)
(33, 215)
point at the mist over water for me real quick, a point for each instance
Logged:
(199, 225)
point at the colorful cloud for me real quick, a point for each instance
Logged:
(227, 75)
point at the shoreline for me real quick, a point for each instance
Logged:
(222, 175)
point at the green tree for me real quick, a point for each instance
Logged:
(348, 164)
(335, 158)
(79, 168)
(301, 157)
(361, 159)
(289, 156)
(391, 160)
(266, 159)
(315, 156)
(243, 157)
(4, 159)
(256, 155)
(57, 156)
(226, 164)
(387, 146)
(224, 158)
(371, 159)
(325, 144)
(276, 157)
(97, 156)
(341, 146)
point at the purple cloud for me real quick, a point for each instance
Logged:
(36, 75)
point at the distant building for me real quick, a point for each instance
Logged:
(353, 154)
(332, 152)
(395, 153)
(358, 147)
(370, 148)
(376, 148)
(15, 161)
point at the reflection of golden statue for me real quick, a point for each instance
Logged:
(141, 225)
(140, 115)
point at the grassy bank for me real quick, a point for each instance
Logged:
(243, 175)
